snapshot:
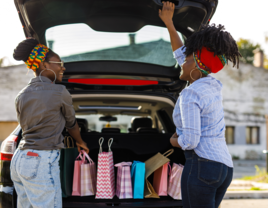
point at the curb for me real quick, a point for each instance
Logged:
(246, 195)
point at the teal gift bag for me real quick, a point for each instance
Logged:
(138, 179)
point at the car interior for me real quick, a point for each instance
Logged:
(147, 129)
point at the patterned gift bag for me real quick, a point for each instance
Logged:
(174, 186)
(124, 186)
(88, 176)
(105, 173)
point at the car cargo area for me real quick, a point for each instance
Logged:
(129, 147)
(138, 143)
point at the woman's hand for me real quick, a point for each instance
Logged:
(82, 145)
(174, 140)
(167, 12)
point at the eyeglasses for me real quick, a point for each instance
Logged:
(55, 62)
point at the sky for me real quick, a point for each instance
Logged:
(242, 18)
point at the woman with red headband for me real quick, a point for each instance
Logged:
(43, 110)
(198, 114)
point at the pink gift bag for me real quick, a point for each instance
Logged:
(174, 186)
(77, 176)
(160, 182)
(105, 173)
(88, 176)
(123, 184)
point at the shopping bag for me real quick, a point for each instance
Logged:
(174, 186)
(138, 179)
(88, 176)
(124, 185)
(152, 165)
(77, 176)
(160, 182)
(105, 173)
(67, 158)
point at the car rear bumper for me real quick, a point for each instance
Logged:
(153, 203)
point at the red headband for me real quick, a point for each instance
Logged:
(208, 63)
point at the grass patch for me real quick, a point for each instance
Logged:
(261, 176)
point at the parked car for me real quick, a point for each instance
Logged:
(121, 74)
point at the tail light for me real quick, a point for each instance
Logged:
(8, 147)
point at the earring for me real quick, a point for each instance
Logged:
(191, 74)
(50, 70)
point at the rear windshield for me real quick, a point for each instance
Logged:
(78, 42)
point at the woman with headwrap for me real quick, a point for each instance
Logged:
(198, 114)
(43, 110)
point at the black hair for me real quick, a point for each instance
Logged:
(23, 50)
(215, 40)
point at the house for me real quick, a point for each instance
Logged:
(245, 101)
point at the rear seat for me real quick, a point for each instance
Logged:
(83, 124)
(142, 125)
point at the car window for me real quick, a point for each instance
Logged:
(123, 122)
(78, 42)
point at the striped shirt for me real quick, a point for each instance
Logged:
(199, 118)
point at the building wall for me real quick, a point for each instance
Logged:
(245, 101)
(12, 80)
(6, 128)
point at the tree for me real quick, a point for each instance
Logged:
(246, 48)
(1, 61)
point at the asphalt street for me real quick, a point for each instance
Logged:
(247, 168)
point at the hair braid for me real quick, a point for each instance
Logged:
(216, 40)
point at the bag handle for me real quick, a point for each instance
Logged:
(67, 141)
(169, 168)
(80, 155)
(101, 142)
(110, 142)
(169, 152)
(85, 155)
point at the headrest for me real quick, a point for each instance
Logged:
(110, 130)
(141, 122)
(147, 130)
(83, 124)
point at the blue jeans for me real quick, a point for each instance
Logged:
(37, 179)
(204, 182)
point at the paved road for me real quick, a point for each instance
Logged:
(244, 203)
(247, 167)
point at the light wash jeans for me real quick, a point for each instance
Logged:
(37, 179)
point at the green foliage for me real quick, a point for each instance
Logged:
(261, 176)
(246, 48)
(1, 61)
(235, 157)
(255, 189)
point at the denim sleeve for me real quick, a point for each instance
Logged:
(179, 55)
(68, 109)
(191, 121)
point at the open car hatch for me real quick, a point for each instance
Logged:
(112, 37)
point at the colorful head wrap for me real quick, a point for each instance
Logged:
(37, 55)
(208, 63)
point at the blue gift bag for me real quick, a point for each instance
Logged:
(138, 179)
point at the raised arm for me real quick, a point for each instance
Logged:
(166, 15)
